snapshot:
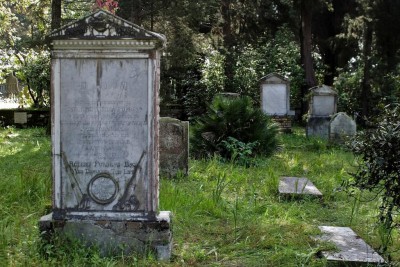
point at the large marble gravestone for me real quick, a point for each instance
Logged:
(105, 84)
(105, 125)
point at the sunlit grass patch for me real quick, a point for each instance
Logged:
(223, 214)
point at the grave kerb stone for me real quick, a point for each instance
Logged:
(352, 249)
(297, 186)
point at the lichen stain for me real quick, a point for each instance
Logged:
(99, 72)
(99, 75)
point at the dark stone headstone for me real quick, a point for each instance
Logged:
(318, 127)
(174, 146)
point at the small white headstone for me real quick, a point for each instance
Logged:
(323, 101)
(275, 95)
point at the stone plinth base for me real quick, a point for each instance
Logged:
(116, 237)
(318, 127)
(284, 122)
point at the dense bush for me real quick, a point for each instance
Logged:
(36, 73)
(279, 53)
(379, 170)
(233, 124)
(208, 81)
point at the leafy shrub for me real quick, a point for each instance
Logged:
(36, 73)
(379, 169)
(279, 53)
(228, 120)
(238, 151)
(209, 81)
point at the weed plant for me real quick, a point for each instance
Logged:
(224, 214)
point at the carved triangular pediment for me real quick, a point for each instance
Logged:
(273, 78)
(323, 90)
(102, 24)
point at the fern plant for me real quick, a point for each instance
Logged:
(236, 118)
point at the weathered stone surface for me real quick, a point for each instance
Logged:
(275, 95)
(323, 101)
(323, 105)
(284, 123)
(105, 85)
(12, 88)
(318, 127)
(116, 237)
(275, 100)
(352, 249)
(297, 186)
(105, 121)
(20, 117)
(341, 127)
(174, 146)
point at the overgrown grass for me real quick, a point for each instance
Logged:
(224, 215)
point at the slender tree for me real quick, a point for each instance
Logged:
(306, 10)
(55, 14)
(328, 31)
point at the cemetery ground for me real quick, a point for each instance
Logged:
(224, 214)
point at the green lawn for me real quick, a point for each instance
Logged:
(224, 215)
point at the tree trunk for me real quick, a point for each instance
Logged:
(366, 58)
(306, 50)
(306, 22)
(228, 44)
(55, 14)
(136, 12)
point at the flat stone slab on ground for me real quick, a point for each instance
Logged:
(297, 186)
(352, 248)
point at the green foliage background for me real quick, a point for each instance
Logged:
(234, 118)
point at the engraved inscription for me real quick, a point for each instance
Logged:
(105, 122)
(92, 168)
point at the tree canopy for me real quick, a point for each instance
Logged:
(227, 45)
